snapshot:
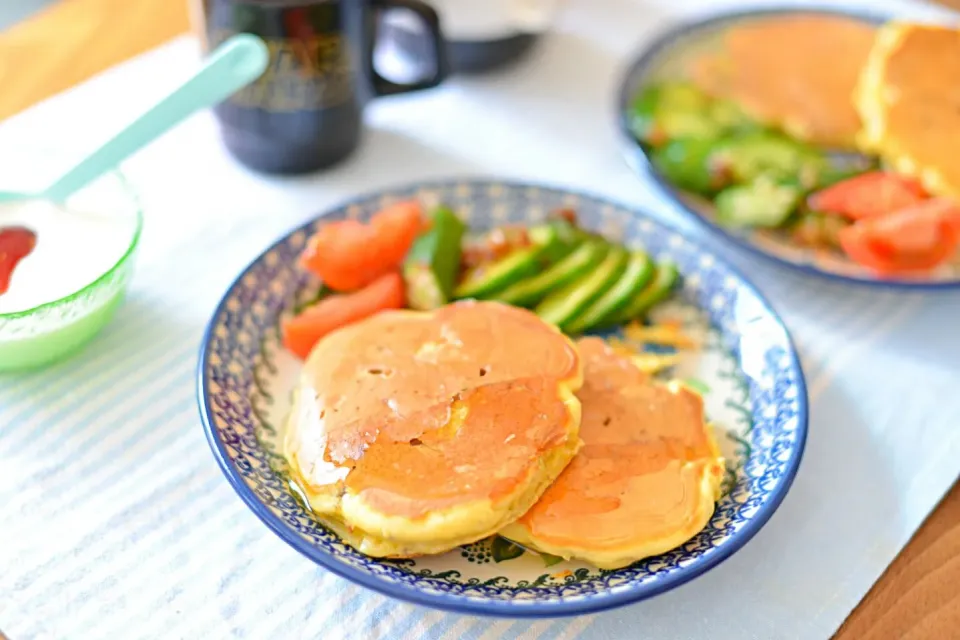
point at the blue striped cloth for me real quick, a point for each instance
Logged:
(116, 522)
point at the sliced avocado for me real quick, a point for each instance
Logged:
(732, 118)
(431, 267)
(681, 94)
(546, 236)
(763, 203)
(532, 290)
(687, 124)
(614, 300)
(488, 279)
(664, 280)
(568, 238)
(564, 304)
(686, 163)
(750, 156)
(668, 110)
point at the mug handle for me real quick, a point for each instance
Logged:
(430, 19)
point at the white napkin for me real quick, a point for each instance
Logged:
(116, 522)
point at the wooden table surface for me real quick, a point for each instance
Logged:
(919, 595)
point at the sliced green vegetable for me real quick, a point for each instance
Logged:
(731, 118)
(547, 236)
(683, 95)
(486, 280)
(686, 163)
(550, 560)
(664, 111)
(502, 549)
(613, 301)
(431, 267)
(563, 305)
(751, 156)
(532, 290)
(489, 279)
(763, 203)
(568, 237)
(697, 385)
(687, 124)
(664, 280)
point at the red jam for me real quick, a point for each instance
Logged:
(16, 243)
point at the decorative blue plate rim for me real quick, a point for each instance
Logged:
(637, 159)
(506, 608)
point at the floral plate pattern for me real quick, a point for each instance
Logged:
(746, 368)
(666, 57)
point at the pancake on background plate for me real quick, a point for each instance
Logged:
(414, 433)
(797, 72)
(909, 100)
(645, 480)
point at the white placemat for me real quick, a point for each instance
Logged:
(116, 522)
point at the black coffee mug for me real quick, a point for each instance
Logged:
(306, 112)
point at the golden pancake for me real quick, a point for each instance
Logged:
(645, 480)
(796, 72)
(909, 100)
(414, 432)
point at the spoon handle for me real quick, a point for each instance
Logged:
(234, 64)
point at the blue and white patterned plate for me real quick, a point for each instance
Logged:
(747, 370)
(666, 57)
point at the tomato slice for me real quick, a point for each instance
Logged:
(868, 195)
(348, 255)
(915, 238)
(302, 332)
(397, 227)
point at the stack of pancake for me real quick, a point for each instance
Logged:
(909, 100)
(413, 433)
(840, 82)
(795, 71)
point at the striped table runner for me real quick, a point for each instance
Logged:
(116, 522)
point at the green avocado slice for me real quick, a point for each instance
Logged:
(657, 290)
(532, 290)
(487, 280)
(762, 203)
(564, 304)
(673, 109)
(750, 156)
(614, 300)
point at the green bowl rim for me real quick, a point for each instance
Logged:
(134, 241)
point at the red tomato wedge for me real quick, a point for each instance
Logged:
(916, 238)
(348, 255)
(302, 332)
(868, 195)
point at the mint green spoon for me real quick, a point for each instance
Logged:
(234, 64)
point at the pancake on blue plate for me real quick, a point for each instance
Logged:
(415, 432)
(646, 479)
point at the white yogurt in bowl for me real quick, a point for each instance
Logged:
(64, 291)
(73, 248)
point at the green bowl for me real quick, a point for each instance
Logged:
(51, 331)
